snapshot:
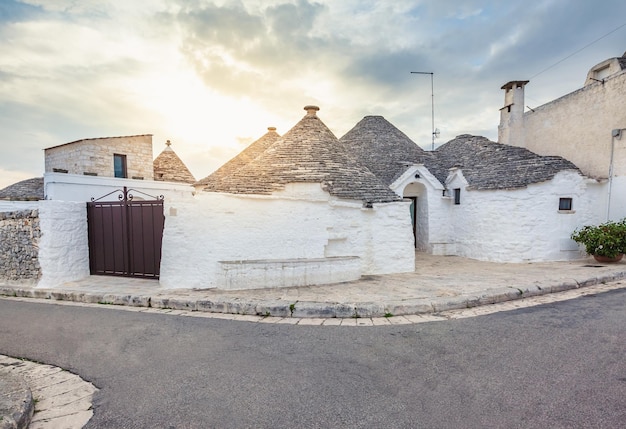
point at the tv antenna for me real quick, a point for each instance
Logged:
(435, 131)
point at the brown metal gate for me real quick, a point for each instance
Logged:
(125, 236)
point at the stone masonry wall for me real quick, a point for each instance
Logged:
(95, 156)
(578, 127)
(19, 246)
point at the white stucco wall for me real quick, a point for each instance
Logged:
(523, 225)
(617, 209)
(301, 222)
(64, 245)
(74, 187)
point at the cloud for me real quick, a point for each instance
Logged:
(209, 74)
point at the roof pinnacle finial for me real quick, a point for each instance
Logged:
(168, 143)
(311, 110)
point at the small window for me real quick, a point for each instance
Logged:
(457, 196)
(119, 165)
(565, 204)
(602, 73)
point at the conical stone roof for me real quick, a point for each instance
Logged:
(168, 167)
(211, 182)
(384, 149)
(25, 190)
(490, 165)
(309, 152)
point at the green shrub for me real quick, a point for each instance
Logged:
(607, 239)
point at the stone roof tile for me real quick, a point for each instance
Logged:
(26, 190)
(309, 152)
(168, 167)
(489, 165)
(211, 182)
(384, 149)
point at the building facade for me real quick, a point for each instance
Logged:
(585, 127)
(128, 157)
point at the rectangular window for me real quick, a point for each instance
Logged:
(457, 196)
(119, 165)
(565, 203)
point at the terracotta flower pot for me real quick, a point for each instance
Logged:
(600, 258)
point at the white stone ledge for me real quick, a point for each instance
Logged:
(279, 273)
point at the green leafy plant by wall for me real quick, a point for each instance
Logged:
(607, 239)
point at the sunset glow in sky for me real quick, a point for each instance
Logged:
(211, 76)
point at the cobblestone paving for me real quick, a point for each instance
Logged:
(62, 399)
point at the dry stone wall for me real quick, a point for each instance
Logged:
(19, 246)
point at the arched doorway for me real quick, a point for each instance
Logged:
(416, 193)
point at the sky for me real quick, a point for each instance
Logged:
(211, 76)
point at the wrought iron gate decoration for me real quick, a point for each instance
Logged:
(125, 236)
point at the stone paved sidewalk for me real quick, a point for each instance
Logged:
(438, 284)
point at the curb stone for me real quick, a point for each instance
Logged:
(16, 401)
(311, 309)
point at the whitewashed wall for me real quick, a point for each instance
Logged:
(302, 222)
(64, 245)
(525, 224)
(618, 198)
(74, 187)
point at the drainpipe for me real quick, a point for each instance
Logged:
(615, 134)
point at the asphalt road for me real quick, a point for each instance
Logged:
(561, 365)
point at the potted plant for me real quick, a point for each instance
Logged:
(606, 242)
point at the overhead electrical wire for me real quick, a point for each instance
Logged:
(581, 49)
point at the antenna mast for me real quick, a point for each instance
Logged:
(435, 133)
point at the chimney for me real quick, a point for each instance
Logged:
(311, 110)
(511, 128)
